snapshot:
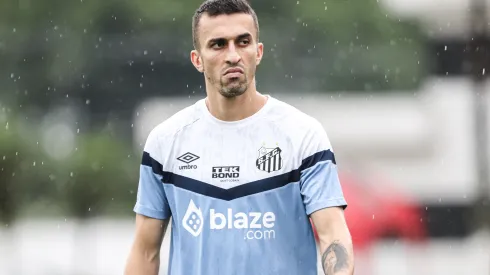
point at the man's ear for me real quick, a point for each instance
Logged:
(197, 61)
(260, 52)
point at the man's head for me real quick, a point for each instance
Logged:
(227, 51)
(214, 8)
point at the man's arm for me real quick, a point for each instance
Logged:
(144, 257)
(335, 241)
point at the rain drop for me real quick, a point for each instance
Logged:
(78, 131)
(297, 2)
(141, 85)
(7, 126)
(145, 52)
(445, 48)
(34, 164)
(87, 101)
(71, 174)
(14, 30)
(89, 209)
(12, 75)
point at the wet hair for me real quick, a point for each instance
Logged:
(218, 7)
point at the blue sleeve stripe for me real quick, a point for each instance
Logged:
(319, 157)
(156, 167)
(316, 158)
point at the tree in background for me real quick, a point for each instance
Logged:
(99, 179)
(107, 56)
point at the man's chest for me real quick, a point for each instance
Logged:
(227, 160)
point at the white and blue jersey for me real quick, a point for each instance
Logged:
(239, 193)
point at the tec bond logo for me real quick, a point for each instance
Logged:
(226, 173)
(192, 220)
(256, 225)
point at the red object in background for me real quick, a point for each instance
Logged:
(377, 210)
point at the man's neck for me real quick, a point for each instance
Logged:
(237, 108)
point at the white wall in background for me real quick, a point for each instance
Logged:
(56, 247)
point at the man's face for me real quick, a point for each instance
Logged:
(229, 52)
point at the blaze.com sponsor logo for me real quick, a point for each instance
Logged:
(256, 225)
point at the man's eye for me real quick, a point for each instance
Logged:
(219, 44)
(245, 42)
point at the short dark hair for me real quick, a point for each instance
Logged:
(219, 7)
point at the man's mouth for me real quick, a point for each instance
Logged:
(233, 72)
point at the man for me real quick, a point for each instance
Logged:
(240, 173)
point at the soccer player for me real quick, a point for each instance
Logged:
(239, 173)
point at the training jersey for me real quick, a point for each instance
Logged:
(239, 193)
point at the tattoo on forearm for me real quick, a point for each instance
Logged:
(335, 258)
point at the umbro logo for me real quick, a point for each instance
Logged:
(188, 158)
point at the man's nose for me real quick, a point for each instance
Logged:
(232, 57)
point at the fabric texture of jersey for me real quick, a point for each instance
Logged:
(239, 193)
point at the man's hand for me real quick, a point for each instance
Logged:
(144, 258)
(335, 241)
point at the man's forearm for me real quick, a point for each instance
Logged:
(140, 263)
(337, 258)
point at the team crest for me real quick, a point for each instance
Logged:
(269, 160)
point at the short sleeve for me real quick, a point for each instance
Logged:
(319, 180)
(151, 199)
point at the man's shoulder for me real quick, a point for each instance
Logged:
(291, 116)
(176, 122)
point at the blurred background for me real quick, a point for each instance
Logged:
(400, 86)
